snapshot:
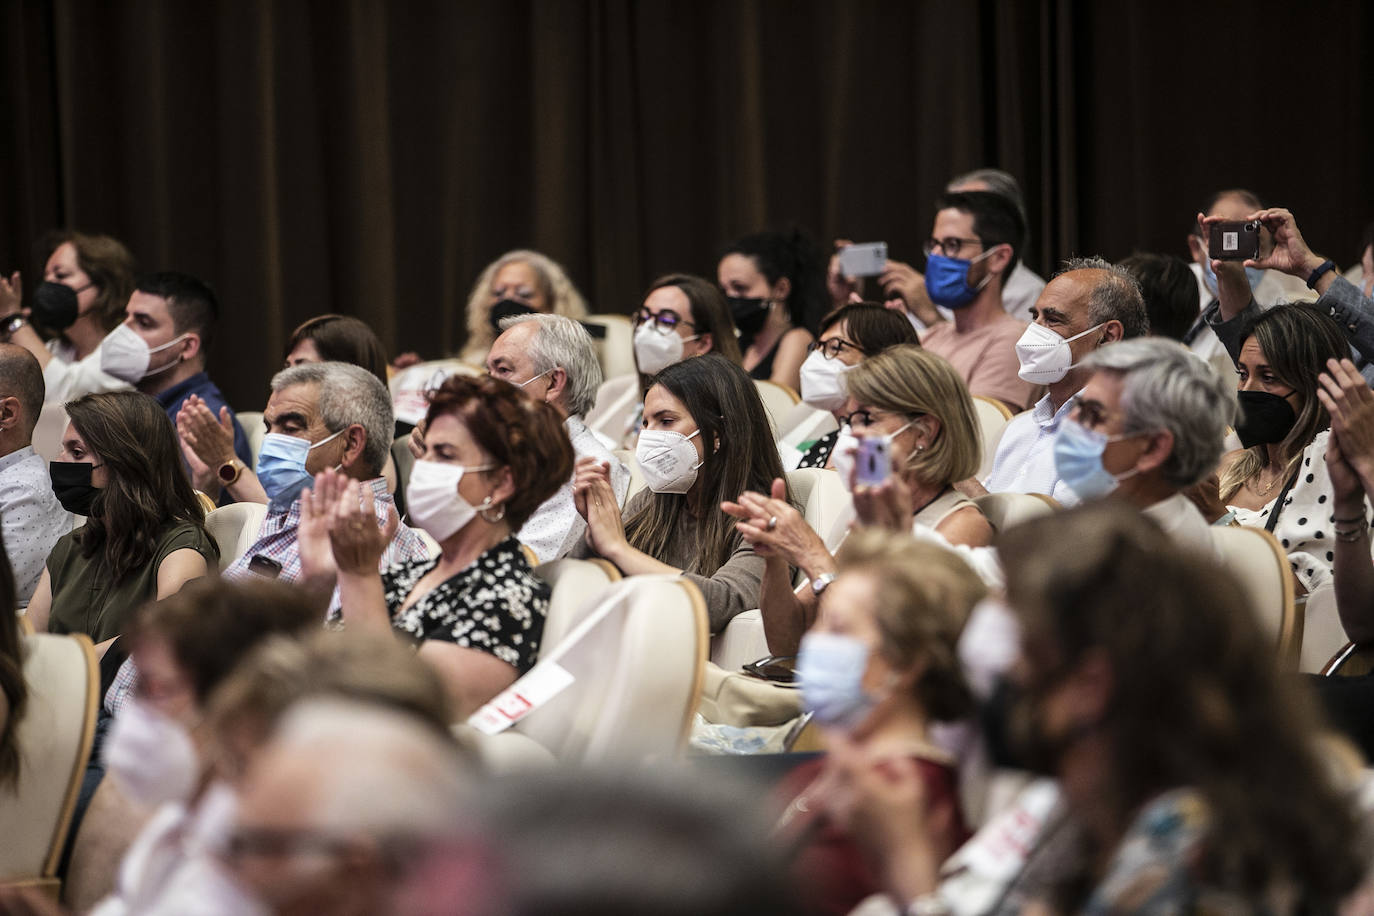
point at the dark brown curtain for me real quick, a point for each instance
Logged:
(370, 156)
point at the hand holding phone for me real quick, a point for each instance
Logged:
(1234, 240)
(872, 461)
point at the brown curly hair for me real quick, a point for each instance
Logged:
(522, 434)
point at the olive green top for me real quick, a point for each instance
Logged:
(85, 601)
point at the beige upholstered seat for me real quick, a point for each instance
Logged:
(1006, 510)
(47, 434)
(1322, 633)
(616, 350)
(1261, 565)
(778, 401)
(637, 663)
(251, 422)
(54, 745)
(627, 458)
(408, 385)
(616, 402)
(576, 584)
(235, 529)
(801, 424)
(993, 417)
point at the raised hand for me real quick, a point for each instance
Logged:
(586, 473)
(211, 438)
(1350, 403)
(840, 286)
(605, 527)
(319, 505)
(1290, 252)
(909, 283)
(355, 534)
(416, 442)
(11, 294)
(775, 528)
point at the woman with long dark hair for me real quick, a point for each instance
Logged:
(120, 467)
(705, 439)
(14, 691)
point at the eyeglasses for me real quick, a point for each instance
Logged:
(664, 322)
(831, 348)
(866, 418)
(252, 842)
(949, 247)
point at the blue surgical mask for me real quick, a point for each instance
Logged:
(947, 280)
(1253, 275)
(1078, 460)
(831, 668)
(281, 467)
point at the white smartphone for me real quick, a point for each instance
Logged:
(867, 259)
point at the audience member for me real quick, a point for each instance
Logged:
(517, 283)
(476, 611)
(1169, 290)
(336, 339)
(87, 281)
(849, 335)
(1148, 425)
(775, 284)
(1277, 480)
(168, 310)
(343, 838)
(14, 690)
(876, 669)
(144, 535)
(320, 415)
(1362, 275)
(706, 439)
(552, 359)
(1086, 305)
(1267, 287)
(1175, 811)
(159, 753)
(31, 518)
(1235, 309)
(915, 402)
(974, 245)
(681, 316)
(668, 844)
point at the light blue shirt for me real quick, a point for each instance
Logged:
(31, 518)
(1025, 456)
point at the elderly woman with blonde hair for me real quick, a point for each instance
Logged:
(517, 283)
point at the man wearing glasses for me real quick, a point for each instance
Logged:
(973, 247)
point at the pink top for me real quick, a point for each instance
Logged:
(986, 358)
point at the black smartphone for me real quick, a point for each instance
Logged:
(1234, 240)
(264, 566)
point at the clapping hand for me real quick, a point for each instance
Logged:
(774, 527)
(358, 539)
(11, 294)
(210, 438)
(319, 506)
(1350, 450)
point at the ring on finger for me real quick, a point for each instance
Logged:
(772, 523)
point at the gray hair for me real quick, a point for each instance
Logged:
(1116, 298)
(349, 394)
(562, 343)
(997, 181)
(1165, 386)
(391, 775)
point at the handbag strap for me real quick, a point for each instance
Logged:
(1278, 500)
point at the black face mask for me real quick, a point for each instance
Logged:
(54, 306)
(71, 481)
(507, 308)
(1264, 418)
(1014, 736)
(749, 316)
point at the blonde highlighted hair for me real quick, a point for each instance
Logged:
(908, 380)
(562, 296)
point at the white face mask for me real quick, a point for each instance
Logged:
(656, 351)
(151, 756)
(1045, 356)
(125, 355)
(433, 501)
(822, 382)
(213, 819)
(668, 460)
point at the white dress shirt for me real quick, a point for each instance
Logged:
(31, 518)
(556, 527)
(1025, 456)
(66, 378)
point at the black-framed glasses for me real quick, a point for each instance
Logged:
(867, 418)
(251, 842)
(664, 322)
(949, 247)
(831, 348)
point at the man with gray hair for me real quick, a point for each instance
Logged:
(1088, 304)
(320, 415)
(552, 358)
(1148, 425)
(344, 802)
